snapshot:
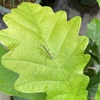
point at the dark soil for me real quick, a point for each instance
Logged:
(91, 9)
(2, 24)
(8, 4)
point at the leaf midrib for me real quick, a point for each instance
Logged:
(67, 83)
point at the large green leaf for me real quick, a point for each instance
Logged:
(46, 51)
(7, 79)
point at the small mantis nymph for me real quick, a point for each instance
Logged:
(47, 52)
